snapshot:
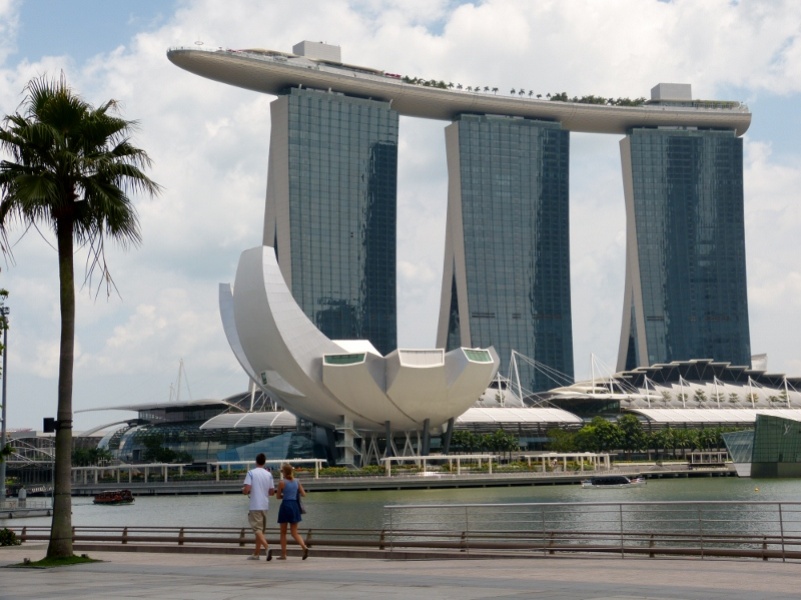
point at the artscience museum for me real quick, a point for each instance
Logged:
(344, 385)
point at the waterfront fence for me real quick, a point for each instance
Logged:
(763, 530)
(726, 528)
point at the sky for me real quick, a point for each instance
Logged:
(209, 144)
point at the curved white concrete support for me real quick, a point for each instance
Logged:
(226, 300)
(330, 383)
(277, 336)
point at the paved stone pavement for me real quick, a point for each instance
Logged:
(140, 575)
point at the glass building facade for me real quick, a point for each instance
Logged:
(773, 447)
(685, 268)
(506, 281)
(331, 211)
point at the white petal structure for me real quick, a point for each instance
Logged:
(331, 382)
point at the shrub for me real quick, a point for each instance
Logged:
(8, 537)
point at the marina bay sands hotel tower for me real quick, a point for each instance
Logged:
(331, 209)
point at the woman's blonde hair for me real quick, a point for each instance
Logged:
(286, 471)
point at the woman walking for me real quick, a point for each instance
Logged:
(290, 492)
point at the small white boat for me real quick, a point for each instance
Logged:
(607, 481)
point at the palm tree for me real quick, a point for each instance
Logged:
(71, 166)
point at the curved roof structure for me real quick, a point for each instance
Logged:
(327, 382)
(270, 72)
(520, 416)
(667, 416)
(251, 419)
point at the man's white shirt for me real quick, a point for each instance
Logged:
(261, 482)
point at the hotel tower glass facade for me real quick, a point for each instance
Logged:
(331, 211)
(506, 279)
(685, 294)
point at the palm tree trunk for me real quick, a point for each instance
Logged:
(61, 530)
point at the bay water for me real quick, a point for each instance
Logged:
(366, 509)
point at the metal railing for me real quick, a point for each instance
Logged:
(764, 530)
(27, 504)
(727, 528)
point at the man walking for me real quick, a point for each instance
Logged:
(259, 486)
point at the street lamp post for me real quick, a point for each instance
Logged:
(4, 313)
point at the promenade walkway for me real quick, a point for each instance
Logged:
(144, 576)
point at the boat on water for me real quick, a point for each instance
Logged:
(607, 481)
(114, 497)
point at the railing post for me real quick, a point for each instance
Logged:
(381, 540)
(392, 532)
(242, 537)
(181, 536)
(466, 535)
(700, 529)
(125, 535)
(620, 516)
(781, 529)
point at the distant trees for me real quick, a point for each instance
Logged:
(156, 452)
(559, 97)
(88, 457)
(499, 441)
(633, 435)
(629, 436)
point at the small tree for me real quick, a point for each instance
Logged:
(560, 440)
(700, 397)
(633, 434)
